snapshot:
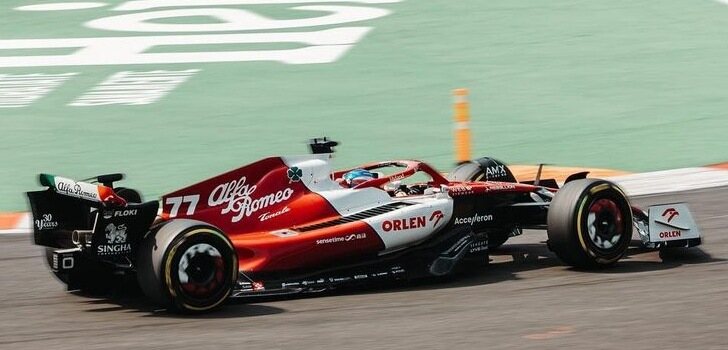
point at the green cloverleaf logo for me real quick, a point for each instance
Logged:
(294, 174)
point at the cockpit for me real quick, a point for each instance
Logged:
(397, 178)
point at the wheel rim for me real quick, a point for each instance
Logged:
(201, 271)
(605, 224)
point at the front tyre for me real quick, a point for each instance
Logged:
(589, 223)
(482, 169)
(188, 268)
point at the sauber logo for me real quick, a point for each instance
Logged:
(670, 213)
(411, 223)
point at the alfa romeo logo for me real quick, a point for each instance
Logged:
(294, 174)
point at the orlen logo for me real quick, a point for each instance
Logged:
(670, 234)
(437, 216)
(404, 224)
(669, 214)
(411, 223)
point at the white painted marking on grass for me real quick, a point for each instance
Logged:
(323, 46)
(21, 90)
(61, 6)
(134, 88)
(137, 5)
(326, 46)
(229, 19)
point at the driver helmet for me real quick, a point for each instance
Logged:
(358, 176)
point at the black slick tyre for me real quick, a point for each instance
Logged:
(469, 171)
(187, 266)
(482, 169)
(589, 223)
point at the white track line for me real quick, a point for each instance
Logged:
(23, 231)
(677, 180)
(25, 225)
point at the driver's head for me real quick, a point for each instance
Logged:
(358, 176)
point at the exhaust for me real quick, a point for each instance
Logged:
(82, 238)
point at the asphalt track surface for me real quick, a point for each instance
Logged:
(524, 300)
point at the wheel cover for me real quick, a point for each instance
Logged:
(201, 271)
(605, 224)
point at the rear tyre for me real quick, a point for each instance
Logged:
(187, 267)
(589, 223)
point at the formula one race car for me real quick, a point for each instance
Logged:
(291, 225)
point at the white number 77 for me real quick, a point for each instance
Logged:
(176, 203)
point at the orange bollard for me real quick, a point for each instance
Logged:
(462, 126)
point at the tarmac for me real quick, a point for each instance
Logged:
(525, 299)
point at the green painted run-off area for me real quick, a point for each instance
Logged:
(627, 84)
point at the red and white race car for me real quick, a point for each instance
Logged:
(292, 225)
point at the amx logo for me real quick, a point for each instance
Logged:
(670, 213)
(495, 171)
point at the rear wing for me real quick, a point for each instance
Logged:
(92, 217)
(81, 190)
